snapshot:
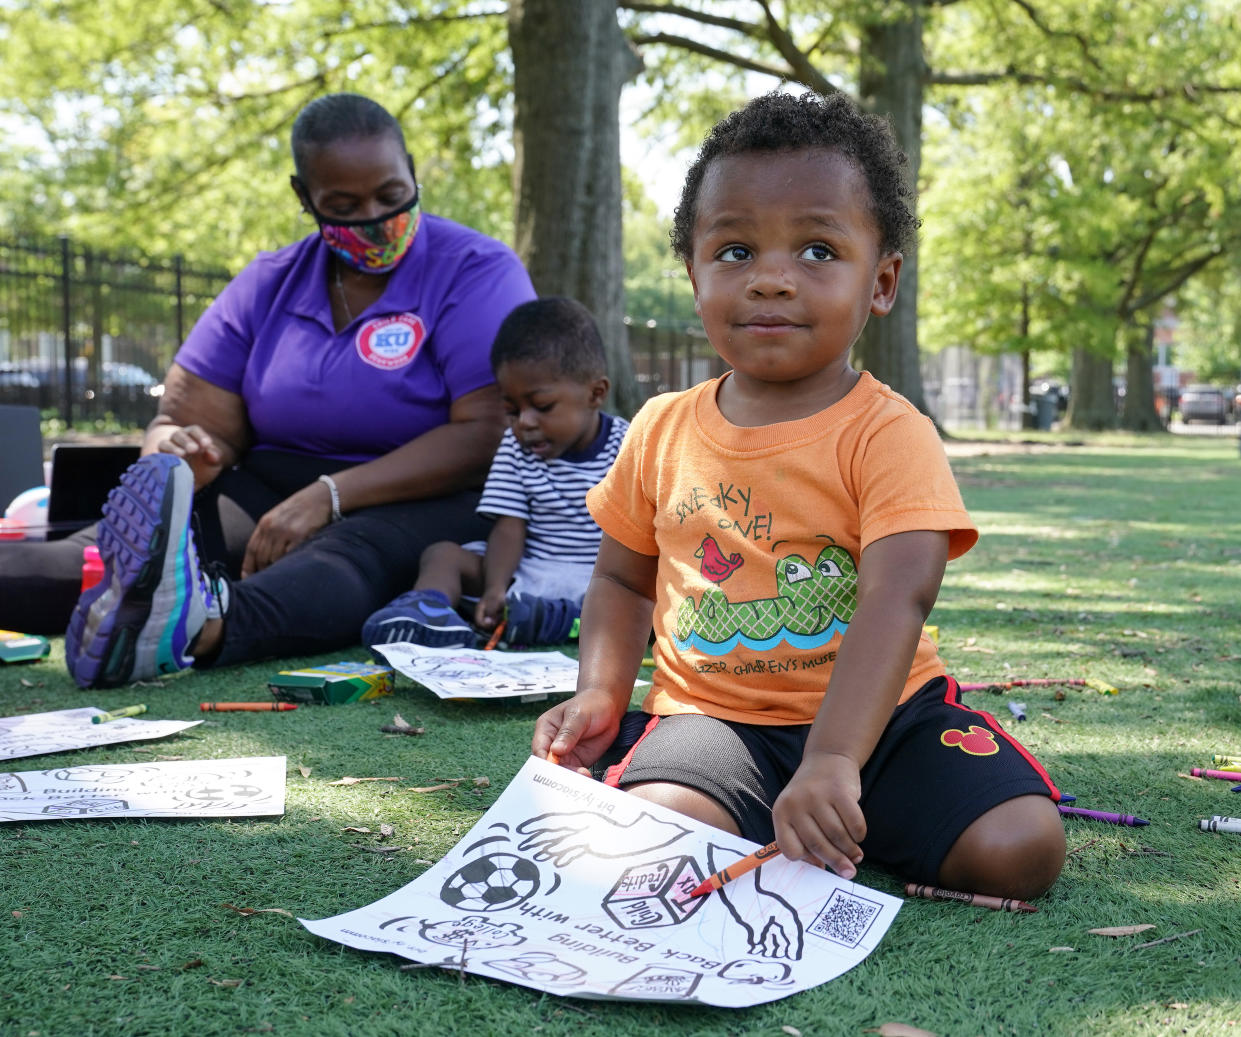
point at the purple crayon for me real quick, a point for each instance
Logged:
(1102, 815)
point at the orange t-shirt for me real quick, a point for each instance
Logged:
(758, 532)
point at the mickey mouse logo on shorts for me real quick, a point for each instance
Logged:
(392, 341)
(978, 741)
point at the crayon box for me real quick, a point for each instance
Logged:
(22, 648)
(332, 684)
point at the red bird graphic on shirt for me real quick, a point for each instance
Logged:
(715, 566)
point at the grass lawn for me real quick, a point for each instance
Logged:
(1117, 559)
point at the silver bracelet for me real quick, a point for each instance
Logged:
(330, 483)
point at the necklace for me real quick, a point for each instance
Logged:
(340, 288)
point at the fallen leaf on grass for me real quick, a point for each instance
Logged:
(437, 788)
(899, 1030)
(149, 968)
(1191, 777)
(1061, 950)
(401, 726)
(26, 683)
(248, 911)
(194, 963)
(482, 783)
(1175, 1004)
(1055, 719)
(387, 831)
(1122, 930)
(356, 828)
(304, 771)
(118, 977)
(378, 849)
(349, 780)
(226, 982)
(792, 1031)
(17, 914)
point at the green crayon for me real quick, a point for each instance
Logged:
(116, 714)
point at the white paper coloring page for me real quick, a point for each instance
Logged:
(471, 673)
(37, 734)
(250, 787)
(571, 887)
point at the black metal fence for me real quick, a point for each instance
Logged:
(88, 334)
(667, 357)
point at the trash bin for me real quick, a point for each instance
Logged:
(1045, 408)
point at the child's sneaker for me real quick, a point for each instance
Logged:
(540, 621)
(141, 618)
(420, 618)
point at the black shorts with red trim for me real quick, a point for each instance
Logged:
(938, 766)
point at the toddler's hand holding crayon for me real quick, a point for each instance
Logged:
(817, 817)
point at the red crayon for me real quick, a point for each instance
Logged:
(912, 889)
(250, 707)
(1198, 772)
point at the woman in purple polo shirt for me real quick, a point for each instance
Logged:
(331, 414)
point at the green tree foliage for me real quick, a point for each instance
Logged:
(168, 130)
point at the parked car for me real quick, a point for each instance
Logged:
(1203, 403)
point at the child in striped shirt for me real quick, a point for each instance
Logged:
(533, 569)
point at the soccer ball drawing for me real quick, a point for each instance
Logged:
(491, 883)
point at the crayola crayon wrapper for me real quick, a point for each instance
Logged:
(332, 684)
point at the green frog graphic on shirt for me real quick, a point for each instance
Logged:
(813, 603)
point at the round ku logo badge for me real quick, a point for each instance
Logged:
(390, 342)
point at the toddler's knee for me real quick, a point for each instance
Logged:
(1016, 850)
(441, 550)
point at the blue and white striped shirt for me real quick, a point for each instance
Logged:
(551, 495)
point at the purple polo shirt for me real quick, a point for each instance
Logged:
(388, 377)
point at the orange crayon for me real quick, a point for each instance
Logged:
(553, 759)
(735, 870)
(496, 634)
(912, 889)
(249, 707)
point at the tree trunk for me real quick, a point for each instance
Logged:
(570, 63)
(1091, 406)
(891, 83)
(1139, 414)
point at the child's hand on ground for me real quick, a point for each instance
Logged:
(578, 730)
(489, 610)
(817, 817)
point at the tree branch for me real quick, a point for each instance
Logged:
(1047, 30)
(1011, 75)
(803, 70)
(685, 43)
(1178, 277)
(750, 29)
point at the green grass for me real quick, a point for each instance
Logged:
(1116, 559)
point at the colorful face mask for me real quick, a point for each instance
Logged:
(373, 246)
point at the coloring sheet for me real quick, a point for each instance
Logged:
(252, 787)
(38, 733)
(470, 673)
(572, 887)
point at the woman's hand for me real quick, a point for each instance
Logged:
(194, 444)
(287, 524)
(817, 816)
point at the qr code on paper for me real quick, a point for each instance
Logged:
(845, 918)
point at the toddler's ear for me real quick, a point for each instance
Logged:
(599, 390)
(887, 276)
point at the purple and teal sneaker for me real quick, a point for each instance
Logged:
(141, 618)
(421, 618)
